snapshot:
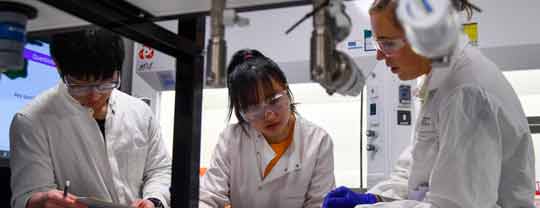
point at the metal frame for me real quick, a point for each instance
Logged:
(239, 9)
(362, 131)
(127, 67)
(534, 124)
(128, 20)
(361, 189)
(187, 118)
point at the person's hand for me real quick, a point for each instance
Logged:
(142, 203)
(53, 199)
(343, 197)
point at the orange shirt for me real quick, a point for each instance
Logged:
(280, 148)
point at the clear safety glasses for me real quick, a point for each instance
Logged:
(276, 103)
(83, 89)
(389, 46)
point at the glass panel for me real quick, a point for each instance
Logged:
(18, 88)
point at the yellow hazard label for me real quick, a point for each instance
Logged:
(471, 29)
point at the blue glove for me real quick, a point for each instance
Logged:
(343, 197)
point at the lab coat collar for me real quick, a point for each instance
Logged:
(291, 159)
(438, 75)
(76, 107)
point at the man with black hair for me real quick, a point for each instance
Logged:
(105, 142)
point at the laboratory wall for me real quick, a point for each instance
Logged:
(506, 32)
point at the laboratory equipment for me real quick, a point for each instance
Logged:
(13, 19)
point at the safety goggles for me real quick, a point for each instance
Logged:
(389, 46)
(84, 89)
(276, 103)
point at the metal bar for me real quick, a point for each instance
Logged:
(45, 35)
(535, 129)
(240, 9)
(187, 118)
(253, 8)
(362, 132)
(125, 19)
(533, 120)
(277, 5)
(127, 67)
(128, 8)
(534, 124)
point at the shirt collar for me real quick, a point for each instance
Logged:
(294, 158)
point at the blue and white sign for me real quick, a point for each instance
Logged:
(355, 44)
(368, 41)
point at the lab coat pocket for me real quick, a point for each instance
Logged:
(294, 197)
(296, 187)
(426, 140)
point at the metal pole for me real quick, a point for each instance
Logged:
(187, 118)
(216, 47)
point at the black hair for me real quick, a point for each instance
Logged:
(249, 77)
(88, 53)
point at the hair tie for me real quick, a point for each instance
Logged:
(247, 56)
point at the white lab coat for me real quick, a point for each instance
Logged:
(473, 147)
(396, 186)
(54, 139)
(301, 177)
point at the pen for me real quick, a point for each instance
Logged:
(66, 187)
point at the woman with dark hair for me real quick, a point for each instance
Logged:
(472, 145)
(272, 157)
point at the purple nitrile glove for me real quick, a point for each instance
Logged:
(343, 197)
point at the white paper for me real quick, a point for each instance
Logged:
(96, 203)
